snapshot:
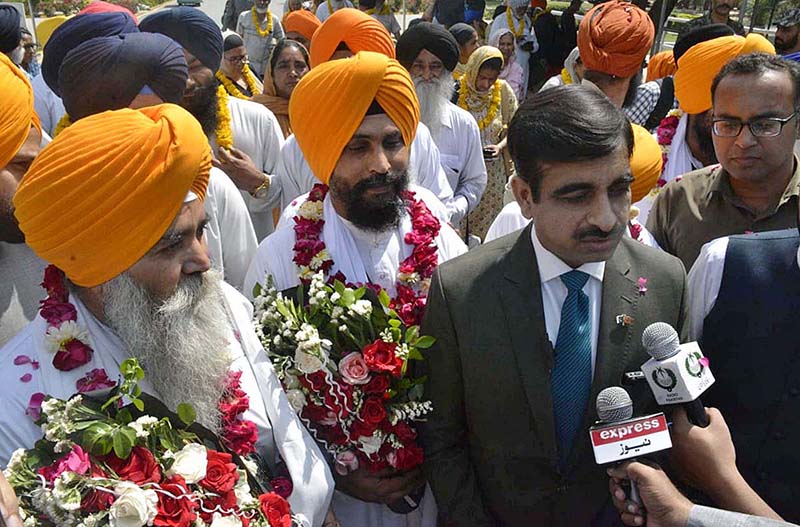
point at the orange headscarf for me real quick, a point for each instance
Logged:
(301, 21)
(16, 110)
(661, 65)
(646, 163)
(356, 29)
(328, 105)
(614, 38)
(698, 67)
(94, 208)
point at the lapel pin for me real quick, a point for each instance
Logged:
(624, 320)
(642, 283)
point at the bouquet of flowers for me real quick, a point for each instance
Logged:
(97, 465)
(343, 358)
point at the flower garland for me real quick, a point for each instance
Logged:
(223, 131)
(414, 273)
(331, 10)
(517, 32)
(566, 78)
(261, 32)
(238, 435)
(665, 134)
(385, 11)
(64, 337)
(494, 104)
(62, 125)
(233, 89)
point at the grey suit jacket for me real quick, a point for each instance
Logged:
(490, 446)
(708, 517)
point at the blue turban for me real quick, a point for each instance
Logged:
(192, 29)
(107, 73)
(10, 29)
(75, 32)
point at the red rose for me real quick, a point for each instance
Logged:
(55, 284)
(276, 510)
(139, 468)
(282, 486)
(55, 312)
(378, 384)
(318, 192)
(94, 380)
(173, 512)
(315, 413)
(240, 437)
(74, 354)
(221, 474)
(226, 501)
(380, 356)
(360, 428)
(97, 500)
(373, 411)
(404, 432)
(406, 458)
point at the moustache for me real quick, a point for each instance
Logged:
(378, 180)
(595, 234)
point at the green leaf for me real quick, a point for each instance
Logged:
(425, 342)
(384, 299)
(414, 354)
(139, 404)
(124, 439)
(124, 416)
(97, 438)
(186, 413)
(338, 287)
(257, 290)
(395, 323)
(412, 334)
(348, 298)
(415, 393)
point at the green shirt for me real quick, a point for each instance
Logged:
(702, 206)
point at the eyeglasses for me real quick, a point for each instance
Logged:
(30, 46)
(241, 59)
(766, 127)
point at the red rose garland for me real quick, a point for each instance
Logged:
(238, 434)
(414, 273)
(64, 336)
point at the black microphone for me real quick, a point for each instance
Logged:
(620, 436)
(677, 373)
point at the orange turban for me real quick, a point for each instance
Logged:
(646, 163)
(698, 67)
(301, 21)
(329, 104)
(614, 38)
(356, 29)
(95, 207)
(661, 65)
(16, 110)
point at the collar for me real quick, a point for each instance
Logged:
(552, 267)
(720, 183)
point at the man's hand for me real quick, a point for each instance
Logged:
(386, 486)
(704, 457)
(240, 168)
(330, 519)
(491, 151)
(664, 504)
(9, 508)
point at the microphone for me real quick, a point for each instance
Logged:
(619, 436)
(677, 373)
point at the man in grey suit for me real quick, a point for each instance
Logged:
(529, 328)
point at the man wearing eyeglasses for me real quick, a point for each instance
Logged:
(744, 290)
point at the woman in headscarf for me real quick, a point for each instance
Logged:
(467, 39)
(572, 73)
(234, 72)
(287, 65)
(503, 39)
(492, 102)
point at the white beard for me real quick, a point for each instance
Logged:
(433, 98)
(261, 10)
(181, 342)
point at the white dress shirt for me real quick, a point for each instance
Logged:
(425, 169)
(461, 154)
(705, 279)
(323, 12)
(554, 292)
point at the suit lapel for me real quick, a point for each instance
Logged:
(620, 297)
(521, 298)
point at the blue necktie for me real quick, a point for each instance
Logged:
(572, 372)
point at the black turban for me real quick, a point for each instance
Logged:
(698, 35)
(431, 37)
(10, 28)
(192, 29)
(232, 41)
(75, 32)
(462, 32)
(107, 73)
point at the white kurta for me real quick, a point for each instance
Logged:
(278, 425)
(424, 164)
(461, 154)
(362, 256)
(528, 35)
(323, 12)
(230, 237)
(256, 132)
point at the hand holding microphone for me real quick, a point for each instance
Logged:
(677, 373)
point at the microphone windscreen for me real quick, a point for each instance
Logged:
(660, 340)
(614, 404)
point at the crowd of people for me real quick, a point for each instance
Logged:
(568, 188)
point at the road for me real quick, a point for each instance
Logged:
(214, 8)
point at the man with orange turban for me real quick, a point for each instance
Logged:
(355, 120)
(345, 33)
(122, 223)
(300, 25)
(20, 136)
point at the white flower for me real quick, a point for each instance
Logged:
(15, 463)
(291, 381)
(297, 399)
(311, 210)
(191, 463)
(370, 445)
(306, 362)
(56, 337)
(242, 490)
(362, 307)
(143, 425)
(250, 464)
(225, 521)
(335, 297)
(66, 493)
(134, 507)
